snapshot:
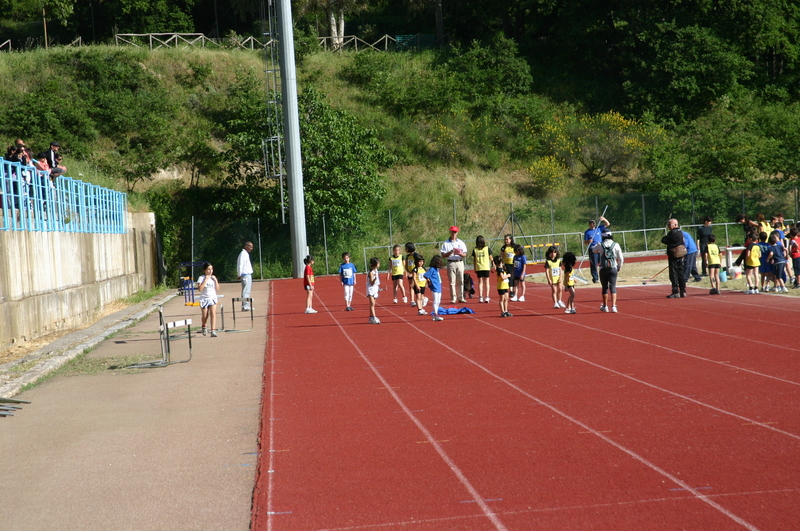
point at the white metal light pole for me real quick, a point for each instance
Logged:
(291, 125)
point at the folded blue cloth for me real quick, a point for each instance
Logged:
(453, 310)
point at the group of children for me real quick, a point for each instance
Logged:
(772, 255)
(508, 268)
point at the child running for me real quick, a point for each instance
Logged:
(347, 275)
(373, 287)
(396, 274)
(482, 259)
(502, 286)
(713, 262)
(435, 283)
(308, 283)
(569, 283)
(207, 286)
(419, 283)
(519, 273)
(411, 263)
(552, 271)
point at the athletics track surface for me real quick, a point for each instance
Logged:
(673, 414)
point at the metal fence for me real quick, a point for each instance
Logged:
(30, 200)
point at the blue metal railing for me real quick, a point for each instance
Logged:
(31, 201)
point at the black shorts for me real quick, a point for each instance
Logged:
(747, 267)
(502, 291)
(482, 274)
(713, 266)
(420, 290)
(397, 277)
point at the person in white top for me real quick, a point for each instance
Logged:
(453, 251)
(207, 286)
(244, 269)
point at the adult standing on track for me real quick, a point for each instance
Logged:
(676, 250)
(690, 261)
(703, 232)
(591, 239)
(245, 271)
(454, 250)
(610, 254)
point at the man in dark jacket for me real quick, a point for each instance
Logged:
(673, 240)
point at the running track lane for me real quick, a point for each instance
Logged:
(527, 426)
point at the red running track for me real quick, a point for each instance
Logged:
(673, 414)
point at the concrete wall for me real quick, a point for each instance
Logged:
(55, 280)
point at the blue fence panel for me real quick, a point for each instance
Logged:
(30, 200)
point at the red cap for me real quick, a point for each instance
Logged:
(453, 229)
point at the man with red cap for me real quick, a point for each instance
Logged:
(453, 251)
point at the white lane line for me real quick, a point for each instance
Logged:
(674, 351)
(480, 500)
(642, 382)
(699, 495)
(270, 366)
(556, 509)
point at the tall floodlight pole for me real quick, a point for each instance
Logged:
(291, 125)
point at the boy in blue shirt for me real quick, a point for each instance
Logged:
(347, 275)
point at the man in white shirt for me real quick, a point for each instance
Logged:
(453, 251)
(245, 271)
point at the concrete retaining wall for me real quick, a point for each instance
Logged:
(54, 280)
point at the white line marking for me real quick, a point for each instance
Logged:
(596, 433)
(487, 511)
(271, 468)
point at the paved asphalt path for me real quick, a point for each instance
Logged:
(153, 449)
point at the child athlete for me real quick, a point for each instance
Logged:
(435, 283)
(482, 259)
(552, 271)
(569, 283)
(411, 252)
(207, 286)
(519, 273)
(713, 261)
(752, 261)
(396, 273)
(507, 255)
(502, 286)
(347, 275)
(373, 287)
(308, 283)
(419, 283)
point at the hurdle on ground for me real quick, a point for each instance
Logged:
(9, 406)
(234, 300)
(166, 340)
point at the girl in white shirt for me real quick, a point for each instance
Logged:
(207, 286)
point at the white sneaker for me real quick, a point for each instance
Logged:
(605, 309)
(424, 301)
(421, 312)
(405, 300)
(438, 318)
(394, 301)
(213, 333)
(613, 309)
(568, 310)
(376, 321)
(521, 299)
(487, 299)
(204, 331)
(561, 304)
(602, 307)
(573, 311)
(413, 304)
(480, 299)
(311, 310)
(514, 298)
(556, 305)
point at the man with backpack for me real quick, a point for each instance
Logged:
(610, 258)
